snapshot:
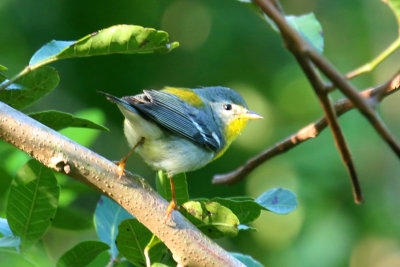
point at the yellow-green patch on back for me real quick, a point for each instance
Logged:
(186, 95)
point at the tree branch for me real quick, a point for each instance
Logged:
(189, 246)
(330, 114)
(312, 130)
(295, 42)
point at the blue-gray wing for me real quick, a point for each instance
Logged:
(178, 117)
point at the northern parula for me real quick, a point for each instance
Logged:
(180, 129)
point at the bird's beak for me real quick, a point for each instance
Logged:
(250, 115)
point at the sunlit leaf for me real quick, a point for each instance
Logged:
(245, 208)
(82, 254)
(122, 39)
(278, 200)
(59, 120)
(107, 217)
(35, 85)
(164, 187)
(158, 264)
(246, 260)
(32, 202)
(132, 239)
(211, 218)
(3, 68)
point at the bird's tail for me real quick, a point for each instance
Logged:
(122, 104)
(112, 98)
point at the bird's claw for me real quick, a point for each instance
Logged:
(171, 207)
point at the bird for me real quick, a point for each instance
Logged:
(181, 129)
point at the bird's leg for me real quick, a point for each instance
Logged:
(173, 204)
(122, 162)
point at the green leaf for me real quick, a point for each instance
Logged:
(152, 243)
(309, 28)
(121, 39)
(278, 200)
(82, 254)
(49, 51)
(395, 7)
(245, 208)
(7, 238)
(59, 120)
(32, 202)
(103, 259)
(211, 218)
(82, 136)
(163, 186)
(306, 25)
(3, 68)
(72, 218)
(35, 85)
(107, 217)
(246, 260)
(132, 239)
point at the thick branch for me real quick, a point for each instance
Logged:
(310, 131)
(189, 246)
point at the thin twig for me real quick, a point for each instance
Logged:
(330, 114)
(5, 84)
(311, 130)
(376, 61)
(370, 65)
(294, 41)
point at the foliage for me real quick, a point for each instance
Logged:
(32, 202)
(82, 254)
(107, 218)
(33, 195)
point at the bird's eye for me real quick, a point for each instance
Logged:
(227, 106)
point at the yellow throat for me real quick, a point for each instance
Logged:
(232, 130)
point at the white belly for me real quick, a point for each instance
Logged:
(163, 151)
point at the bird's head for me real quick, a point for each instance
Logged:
(230, 110)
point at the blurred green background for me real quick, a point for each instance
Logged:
(225, 43)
